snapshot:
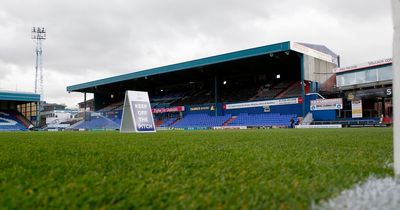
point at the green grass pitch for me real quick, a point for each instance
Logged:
(252, 169)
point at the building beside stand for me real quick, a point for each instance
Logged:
(57, 116)
(370, 84)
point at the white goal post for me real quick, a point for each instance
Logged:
(396, 85)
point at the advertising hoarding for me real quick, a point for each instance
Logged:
(168, 110)
(326, 104)
(275, 102)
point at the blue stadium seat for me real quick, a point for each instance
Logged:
(266, 119)
(9, 121)
(168, 122)
(202, 120)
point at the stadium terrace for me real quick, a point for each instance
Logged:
(267, 86)
(18, 110)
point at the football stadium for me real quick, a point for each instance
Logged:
(278, 85)
(280, 126)
(260, 87)
(200, 105)
(281, 85)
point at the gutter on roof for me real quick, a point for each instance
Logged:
(15, 96)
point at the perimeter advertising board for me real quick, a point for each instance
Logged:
(202, 108)
(268, 103)
(326, 104)
(137, 114)
(169, 109)
(320, 126)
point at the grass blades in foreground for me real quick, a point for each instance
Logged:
(253, 169)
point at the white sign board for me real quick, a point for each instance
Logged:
(326, 104)
(275, 102)
(356, 109)
(136, 114)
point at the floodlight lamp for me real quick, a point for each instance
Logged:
(224, 82)
(278, 76)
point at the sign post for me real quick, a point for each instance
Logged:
(396, 85)
(136, 114)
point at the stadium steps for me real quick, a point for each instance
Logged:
(168, 122)
(286, 90)
(272, 91)
(176, 121)
(263, 92)
(308, 119)
(23, 120)
(229, 121)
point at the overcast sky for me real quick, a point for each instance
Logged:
(88, 40)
